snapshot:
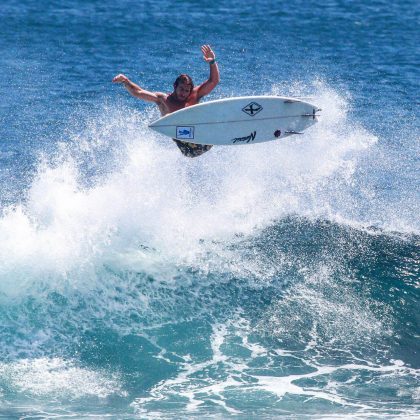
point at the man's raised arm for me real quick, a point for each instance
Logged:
(210, 57)
(136, 90)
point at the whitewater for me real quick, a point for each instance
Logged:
(271, 280)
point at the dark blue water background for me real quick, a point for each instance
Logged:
(274, 280)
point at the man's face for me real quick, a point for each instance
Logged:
(182, 91)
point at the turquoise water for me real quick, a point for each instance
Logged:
(275, 280)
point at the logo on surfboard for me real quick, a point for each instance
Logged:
(252, 108)
(246, 139)
(184, 133)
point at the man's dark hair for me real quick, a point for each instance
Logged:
(185, 79)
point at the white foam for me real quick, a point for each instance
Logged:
(196, 393)
(57, 378)
(197, 385)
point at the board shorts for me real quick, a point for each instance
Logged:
(191, 149)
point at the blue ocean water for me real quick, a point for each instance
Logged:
(275, 280)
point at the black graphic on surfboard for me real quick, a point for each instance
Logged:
(252, 108)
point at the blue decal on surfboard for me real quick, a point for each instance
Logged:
(185, 133)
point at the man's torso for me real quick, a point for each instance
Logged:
(169, 104)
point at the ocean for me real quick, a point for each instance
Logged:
(275, 280)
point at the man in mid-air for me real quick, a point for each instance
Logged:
(184, 94)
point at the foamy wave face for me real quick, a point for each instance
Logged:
(155, 199)
(56, 379)
(324, 309)
(262, 370)
(208, 268)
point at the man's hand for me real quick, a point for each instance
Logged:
(208, 53)
(120, 79)
(206, 87)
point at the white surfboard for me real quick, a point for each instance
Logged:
(237, 121)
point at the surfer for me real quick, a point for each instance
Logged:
(183, 95)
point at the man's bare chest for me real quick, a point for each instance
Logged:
(170, 105)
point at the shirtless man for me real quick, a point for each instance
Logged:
(184, 94)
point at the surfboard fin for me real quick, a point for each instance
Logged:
(313, 114)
